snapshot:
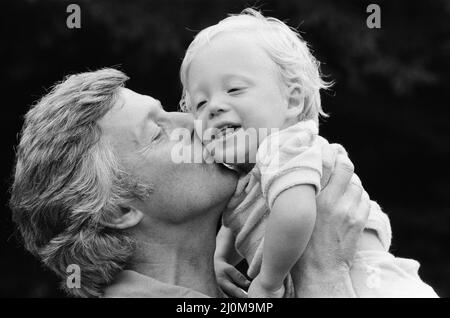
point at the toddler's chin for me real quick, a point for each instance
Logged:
(241, 168)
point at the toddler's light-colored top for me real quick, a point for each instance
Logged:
(289, 157)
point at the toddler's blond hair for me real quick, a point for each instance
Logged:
(285, 47)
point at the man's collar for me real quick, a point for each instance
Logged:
(131, 284)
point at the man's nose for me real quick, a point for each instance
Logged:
(181, 120)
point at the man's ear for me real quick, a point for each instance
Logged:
(296, 100)
(130, 217)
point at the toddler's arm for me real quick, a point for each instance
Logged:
(288, 231)
(230, 280)
(225, 249)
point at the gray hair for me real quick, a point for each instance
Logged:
(68, 180)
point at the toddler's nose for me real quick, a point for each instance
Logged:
(216, 108)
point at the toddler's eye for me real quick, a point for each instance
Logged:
(201, 104)
(234, 90)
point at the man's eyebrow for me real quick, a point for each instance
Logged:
(143, 123)
(150, 112)
(147, 116)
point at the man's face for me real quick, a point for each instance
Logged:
(139, 130)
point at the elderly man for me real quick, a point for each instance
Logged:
(95, 186)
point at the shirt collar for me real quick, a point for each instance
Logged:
(131, 284)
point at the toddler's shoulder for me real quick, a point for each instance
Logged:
(302, 134)
(306, 126)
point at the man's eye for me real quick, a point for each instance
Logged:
(158, 134)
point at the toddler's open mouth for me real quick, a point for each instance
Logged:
(231, 143)
(226, 131)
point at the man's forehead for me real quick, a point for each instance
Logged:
(134, 99)
(130, 110)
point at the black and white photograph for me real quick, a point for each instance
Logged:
(235, 150)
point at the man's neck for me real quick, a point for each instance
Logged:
(181, 255)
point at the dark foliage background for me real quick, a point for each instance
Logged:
(389, 106)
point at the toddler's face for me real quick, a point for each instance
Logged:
(235, 90)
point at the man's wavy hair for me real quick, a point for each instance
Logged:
(68, 180)
(284, 45)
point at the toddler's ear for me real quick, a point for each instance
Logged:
(296, 100)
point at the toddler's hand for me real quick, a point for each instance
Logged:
(230, 280)
(258, 290)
